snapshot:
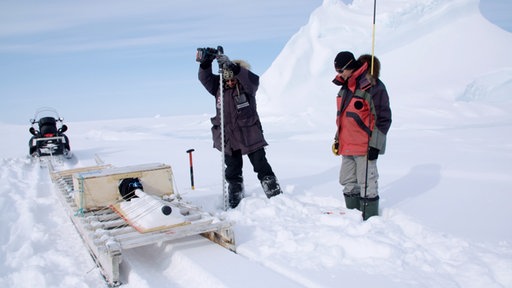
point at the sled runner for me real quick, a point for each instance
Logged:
(114, 209)
(48, 140)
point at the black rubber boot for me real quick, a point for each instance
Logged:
(271, 186)
(352, 201)
(235, 193)
(369, 207)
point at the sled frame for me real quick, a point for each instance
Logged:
(106, 235)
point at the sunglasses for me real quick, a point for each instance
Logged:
(340, 70)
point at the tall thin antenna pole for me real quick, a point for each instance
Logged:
(365, 203)
(373, 35)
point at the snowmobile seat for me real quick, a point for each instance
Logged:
(48, 126)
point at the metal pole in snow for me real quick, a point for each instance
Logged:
(189, 151)
(222, 136)
(371, 71)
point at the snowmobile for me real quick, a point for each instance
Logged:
(48, 138)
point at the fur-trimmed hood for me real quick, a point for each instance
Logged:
(233, 69)
(243, 63)
(367, 58)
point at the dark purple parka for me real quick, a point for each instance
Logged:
(242, 126)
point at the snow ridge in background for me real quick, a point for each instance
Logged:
(423, 43)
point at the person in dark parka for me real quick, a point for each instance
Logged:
(243, 133)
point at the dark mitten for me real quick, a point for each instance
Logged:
(205, 57)
(223, 61)
(373, 153)
(210, 54)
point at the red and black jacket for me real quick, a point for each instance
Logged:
(356, 116)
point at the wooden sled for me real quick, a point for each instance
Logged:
(108, 226)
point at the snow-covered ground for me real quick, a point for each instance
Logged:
(444, 180)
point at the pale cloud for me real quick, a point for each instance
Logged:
(60, 26)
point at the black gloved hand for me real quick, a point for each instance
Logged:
(205, 57)
(224, 61)
(210, 55)
(373, 153)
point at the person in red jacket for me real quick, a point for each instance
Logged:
(243, 133)
(363, 120)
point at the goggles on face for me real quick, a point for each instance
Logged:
(340, 70)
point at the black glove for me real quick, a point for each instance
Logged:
(224, 61)
(210, 54)
(373, 153)
(205, 57)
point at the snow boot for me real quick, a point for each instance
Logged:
(369, 207)
(271, 186)
(352, 201)
(235, 193)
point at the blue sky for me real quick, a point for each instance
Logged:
(123, 59)
(104, 59)
(498, 12)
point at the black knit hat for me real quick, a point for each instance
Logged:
(345, 60)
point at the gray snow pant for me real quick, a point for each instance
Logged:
(353, 176)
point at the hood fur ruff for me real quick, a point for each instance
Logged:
(367, 58)
(243, 63)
